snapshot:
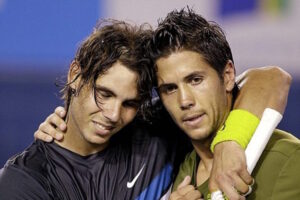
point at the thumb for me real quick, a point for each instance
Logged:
(186, 181)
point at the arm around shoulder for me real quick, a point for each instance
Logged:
(263, 87)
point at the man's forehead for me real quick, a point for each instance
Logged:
(119, 80)
(181, 57)
(180, 65)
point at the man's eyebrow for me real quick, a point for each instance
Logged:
(108, 91)
(165, 86)
(104, 89)
(193, 75)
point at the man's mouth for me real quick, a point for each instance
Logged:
(103, 129)
(192, 120)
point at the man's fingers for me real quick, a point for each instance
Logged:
(240, 185)
(174, 196)
(233, 186)
(55, 120)
(226, 185)
(186, 191)
(52, 127)
(186, 181)
(245, 176)
(42, 136)
(193, 195)
(243, 182)
(47, 130)
(60, 111)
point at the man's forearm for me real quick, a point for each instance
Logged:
(261, 88)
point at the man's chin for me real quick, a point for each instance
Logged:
(199, 135)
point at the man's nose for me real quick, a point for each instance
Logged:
(113, 111)
(186, 98)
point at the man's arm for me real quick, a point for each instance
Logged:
(259, 88)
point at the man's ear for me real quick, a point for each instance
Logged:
(73, 75)
(229, 76)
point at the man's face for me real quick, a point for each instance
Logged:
(193, 93)
(117, 93)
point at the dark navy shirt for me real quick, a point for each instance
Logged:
(140, 163)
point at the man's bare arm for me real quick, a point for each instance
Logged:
(259, 88)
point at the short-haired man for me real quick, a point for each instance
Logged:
(147, 156)
(196, 83)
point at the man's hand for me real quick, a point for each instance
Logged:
(229, 172)
(185, 191)
(53, 127)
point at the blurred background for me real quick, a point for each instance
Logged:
(38, 40)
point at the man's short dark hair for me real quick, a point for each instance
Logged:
(114, 41)
(186, 30)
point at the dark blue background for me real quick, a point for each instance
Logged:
(38, 39)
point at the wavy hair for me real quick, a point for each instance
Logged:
(114, 41)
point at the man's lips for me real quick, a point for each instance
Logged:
(192, 120)
(103, 129)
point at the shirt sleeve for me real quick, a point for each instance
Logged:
(16, 184)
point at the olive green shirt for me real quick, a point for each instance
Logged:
(277, 173)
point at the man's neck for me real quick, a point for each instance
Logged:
(202, 149)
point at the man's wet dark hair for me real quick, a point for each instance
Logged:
(186, 30)
(114, 41)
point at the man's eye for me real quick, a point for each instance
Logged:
(105, 94)
(196, 80)
(102, 94)
(171, 89)
(132, 104)
(168, 89)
